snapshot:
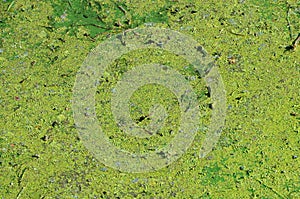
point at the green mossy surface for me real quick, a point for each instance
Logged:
(42, 46)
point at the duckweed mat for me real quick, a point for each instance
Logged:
(43, 45)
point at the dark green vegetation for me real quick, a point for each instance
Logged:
(42, 46)
(102, 16)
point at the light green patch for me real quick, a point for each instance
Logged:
(145, 97)
(257, 155)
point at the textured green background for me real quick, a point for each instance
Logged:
(42, 46)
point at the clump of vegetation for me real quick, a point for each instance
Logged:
(98, 16)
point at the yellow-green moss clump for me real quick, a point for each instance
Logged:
(42, 46)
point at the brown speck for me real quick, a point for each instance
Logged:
(232, 60)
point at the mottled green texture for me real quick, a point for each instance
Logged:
(145, 97)
(258, 153)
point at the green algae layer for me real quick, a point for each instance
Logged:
(43, 45)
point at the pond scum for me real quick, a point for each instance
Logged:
(42, 46)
